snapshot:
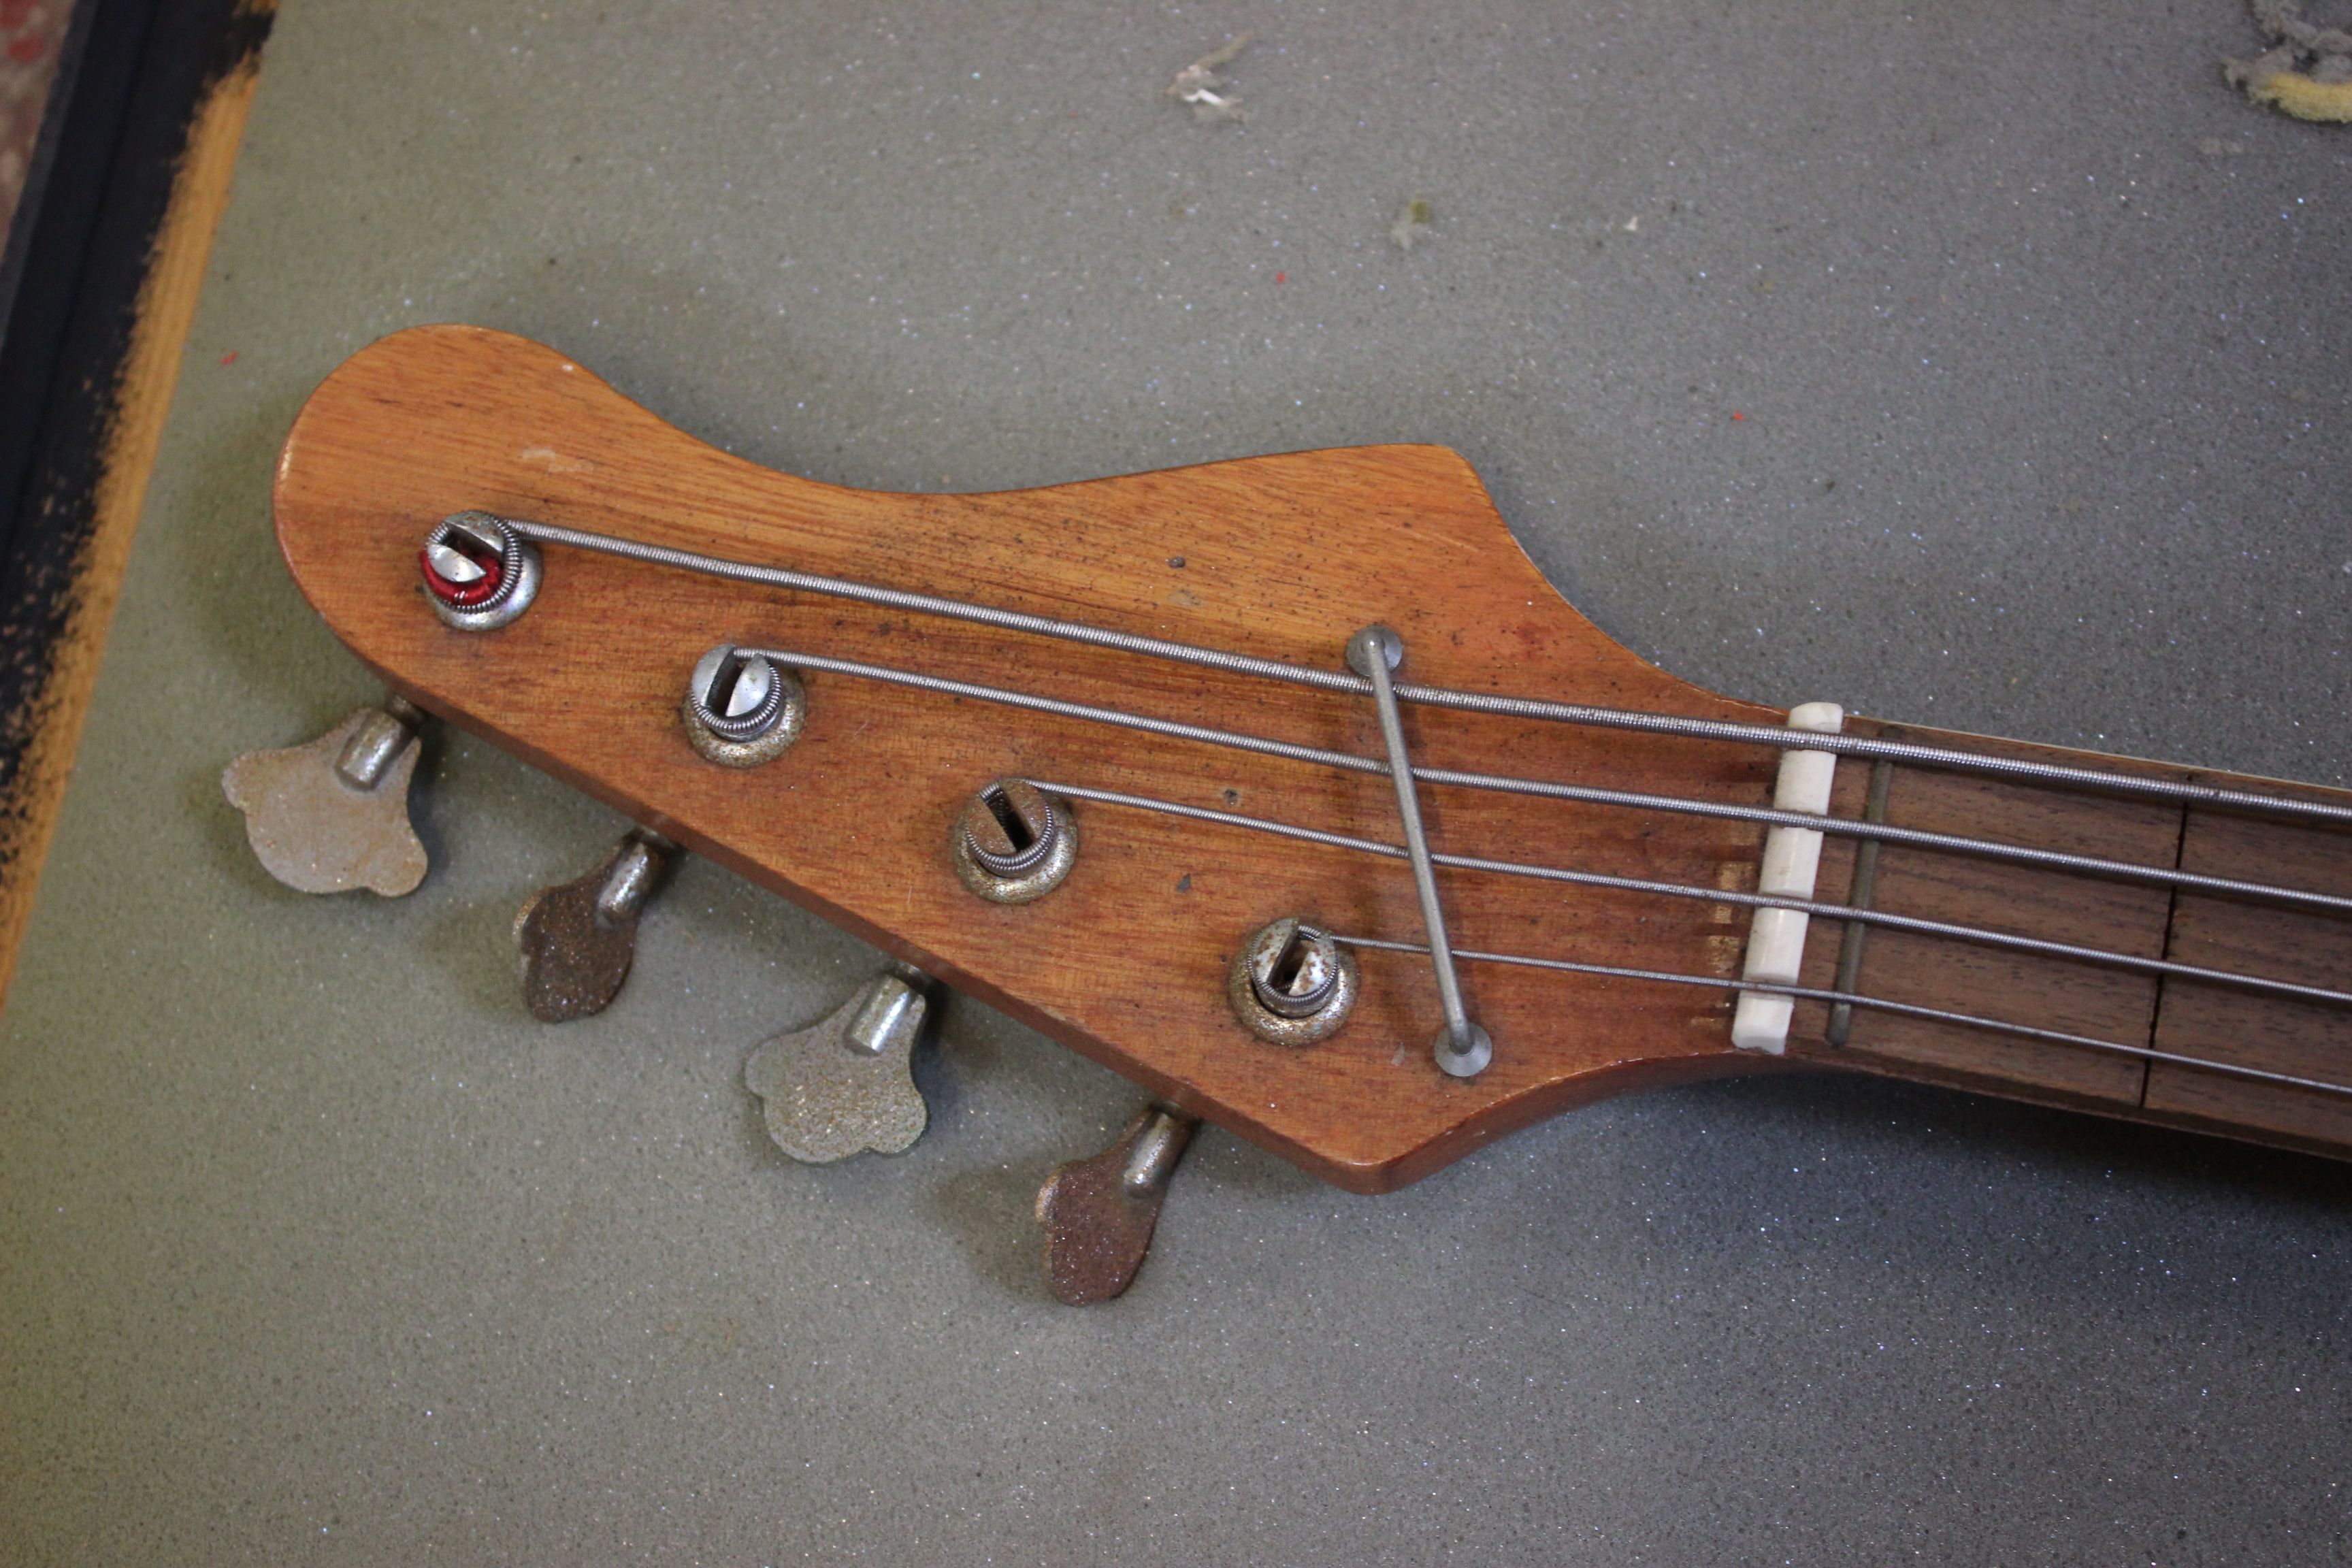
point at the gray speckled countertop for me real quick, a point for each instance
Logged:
(1979, 364)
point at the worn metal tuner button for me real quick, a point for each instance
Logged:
(1291, 984)
(579, 937)
(1099, 1212)
(847, 1085)
(332, 815)
(741, 709)
(480, 571)
(1012, 843)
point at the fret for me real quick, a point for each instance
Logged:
(2280, 1036)
(1863, 893)
(2192, 1019)
(2057, 905)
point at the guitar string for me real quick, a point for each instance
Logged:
(1876, 1004)
(2053, 860)
(1976, 935)
(1285, 749)
(1670, 724)
(2012, 769)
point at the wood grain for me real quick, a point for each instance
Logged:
(2215, 1022)
(1281, 557)
(2054, 906)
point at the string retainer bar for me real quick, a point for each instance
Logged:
(1462, 1048)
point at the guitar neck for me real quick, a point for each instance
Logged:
(1162, 650)
(2166, 1013)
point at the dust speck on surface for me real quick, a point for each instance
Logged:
(1411, 225)
(1198, 84)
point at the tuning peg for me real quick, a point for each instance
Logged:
(332, 814)
(1099, 1212)
(847, 1085)
(578, 937)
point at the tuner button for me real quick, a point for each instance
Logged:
(578, 938)
(332, 815)
(1099, 1212)
(847, 1084)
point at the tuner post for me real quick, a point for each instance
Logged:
(479, 570)
(1291, 984)
(1013, 843)
(741, 707)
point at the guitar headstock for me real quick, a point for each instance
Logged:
(1129, 958)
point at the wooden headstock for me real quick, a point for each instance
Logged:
(1281, 557)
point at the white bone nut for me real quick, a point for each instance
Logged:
(1776, 940)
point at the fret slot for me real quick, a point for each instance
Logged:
(1863, 888)
(2057, 906)
(2214, 1022)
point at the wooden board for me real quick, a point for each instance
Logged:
(2028, 901)
(109, 310)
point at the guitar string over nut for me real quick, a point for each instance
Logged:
(1291, 984)
(741, 709)
(1011, 843)
(480, 571)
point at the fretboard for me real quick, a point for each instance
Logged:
(2200, 1021)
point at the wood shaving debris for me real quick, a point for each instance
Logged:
(1412, 223)
(1197, 84)
(2306, 73)
(2283, 19)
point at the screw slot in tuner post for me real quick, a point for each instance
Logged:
(741, 709)
(1011, 843)
(1291, 984)
(480, 571)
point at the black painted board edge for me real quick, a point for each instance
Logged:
(114, 137)
(29, 198)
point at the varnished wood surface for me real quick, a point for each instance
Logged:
(1281, 557)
